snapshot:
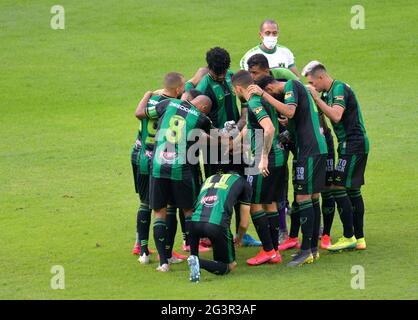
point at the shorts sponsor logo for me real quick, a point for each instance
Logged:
(300, 173)
(330, 165)
(209, 201)
(342, 163)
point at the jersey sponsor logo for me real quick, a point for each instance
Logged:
(288, 95)
(339, 97)
(149, 153)
(209, 201)
(258, 110)
(153, 102)
(181, 107)
(168, 157)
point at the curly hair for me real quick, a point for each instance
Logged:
(218, 60)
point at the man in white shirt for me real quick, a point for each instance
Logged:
(277, 55)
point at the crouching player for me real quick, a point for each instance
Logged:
(212, 219)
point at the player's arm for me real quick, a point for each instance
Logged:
(200, 73)
(286, 109)
(244, 221)
(269, 131)
(242, 122)
(335, 112)
(245, 201)
(140, 111)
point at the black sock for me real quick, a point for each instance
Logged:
(216, 267)
(261, 224)
(142, 226)
(160, 235)
(186, 228)
(171, 222)
(358, 212)
(328, 210)
(306, 213)
(316, 223)
(345, 210)
(294, 221)
(237, 209)
(274, 221)
(182, 224)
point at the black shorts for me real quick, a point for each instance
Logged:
(135, 165)
(329, 174)
(178, 193)
(221, 238)
(349, 170)
(309, 174)
(267, 189)
(143, 183)
(135, 169)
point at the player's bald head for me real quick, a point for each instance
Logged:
(268, 22)
(173, 80)
(203, 103)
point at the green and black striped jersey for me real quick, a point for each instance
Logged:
(304, 127)
(218, 196)
(350, 131)
(144, 144)
(258, 109)
(224, 100)
(177, 120)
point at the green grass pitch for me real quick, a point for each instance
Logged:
(67, 99)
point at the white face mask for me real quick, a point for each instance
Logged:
(270, 42)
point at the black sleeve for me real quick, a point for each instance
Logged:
(160, 107)
(205, 123)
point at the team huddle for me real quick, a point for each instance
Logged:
(217, 146)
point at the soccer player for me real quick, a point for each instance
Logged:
(277, 55)
(310, 162)
(174, 178)
(258, 66)
(212, 219)
(217, 85)
(268, 156)
(141, 156)
(340, 105)
(328, 201)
